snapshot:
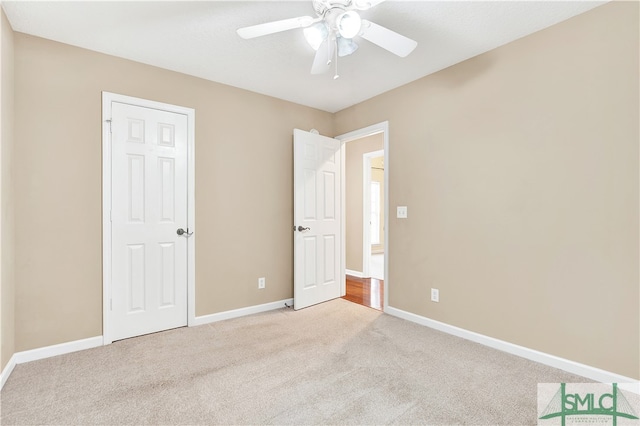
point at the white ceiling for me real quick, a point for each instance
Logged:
(199, 38)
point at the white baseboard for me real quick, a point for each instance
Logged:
(92, 342)
(587, 371)
(6, 372)
(356, 274)
(47, 352)
(60, 349)
(235, 313)
(583, 370)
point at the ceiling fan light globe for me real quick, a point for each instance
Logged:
(349, 24)
(316, 34)
(346, 46)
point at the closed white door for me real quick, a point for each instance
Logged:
(149, 205)
(317, 218)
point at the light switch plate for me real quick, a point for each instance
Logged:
(402, 212)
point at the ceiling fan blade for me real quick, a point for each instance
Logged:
(387, 39)
(275, 27)
(366, 4)
(324, 56)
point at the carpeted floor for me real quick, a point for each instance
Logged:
(334, 363)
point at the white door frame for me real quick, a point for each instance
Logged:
(383, 128)
(107, 99)
(366, 210)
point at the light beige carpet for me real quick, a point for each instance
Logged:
(334, 363)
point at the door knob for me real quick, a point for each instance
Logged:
(300, 228)
(186, 233)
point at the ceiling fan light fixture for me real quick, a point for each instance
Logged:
(332, 31)
(346, 46)
(349, 24)
(316, 34)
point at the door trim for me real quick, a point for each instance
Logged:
(107, 99)
(366, 209)
(383, 128)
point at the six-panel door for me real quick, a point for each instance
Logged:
(317, 198)
(149, 204)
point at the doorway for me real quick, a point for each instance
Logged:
(365, 209)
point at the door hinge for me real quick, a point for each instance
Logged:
(109, 121)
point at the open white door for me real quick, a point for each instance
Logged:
(317, 172)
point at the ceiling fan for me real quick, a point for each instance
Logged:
(332, 32)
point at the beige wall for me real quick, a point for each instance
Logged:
(244, 206)
(353, 197)
(7, 286)
(377, 175)
(520, 171)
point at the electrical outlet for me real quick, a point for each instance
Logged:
(401, 212)
(262, 282)
(435, 295)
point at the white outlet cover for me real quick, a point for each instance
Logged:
(435, 295)
(401, 212)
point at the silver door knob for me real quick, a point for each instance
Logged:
(300, 229)
(186, 233)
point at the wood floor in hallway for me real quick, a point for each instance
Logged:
(365, 291)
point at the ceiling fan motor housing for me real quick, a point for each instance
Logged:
(322, 6)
